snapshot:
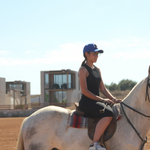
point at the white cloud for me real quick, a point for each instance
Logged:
(36, 44)
(135, 54)
(148, 43)
(29, 51)
(132, 44)
(3, 52)
(73, 52)
(69, 52)
(122, 43)
(113, 44)
(66, 53)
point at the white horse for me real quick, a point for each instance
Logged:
(46, 128)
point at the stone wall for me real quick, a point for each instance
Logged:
(16, 113)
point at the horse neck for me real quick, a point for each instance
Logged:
(136, 100)
(136, 97)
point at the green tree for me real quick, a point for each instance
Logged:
(123, 85)
(107, 86)
(126, 84)
(113, 87)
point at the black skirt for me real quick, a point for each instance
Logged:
(92, 108)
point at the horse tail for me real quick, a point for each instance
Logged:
(20, 144)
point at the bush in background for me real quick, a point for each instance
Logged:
(123, 85)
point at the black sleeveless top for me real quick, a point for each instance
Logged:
(93, 81)
(89, 106)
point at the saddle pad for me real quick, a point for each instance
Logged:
(77, 121)
(117, 111)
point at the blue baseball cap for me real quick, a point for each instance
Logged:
(92, 48)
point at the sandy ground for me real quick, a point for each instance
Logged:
(9, 130)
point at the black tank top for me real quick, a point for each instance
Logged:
(93, 81)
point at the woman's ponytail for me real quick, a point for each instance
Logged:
(83, 62)
(84, 59)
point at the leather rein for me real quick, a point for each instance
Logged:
(146, 97)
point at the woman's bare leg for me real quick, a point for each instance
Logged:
(101, 127)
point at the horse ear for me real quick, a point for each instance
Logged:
(149, 70)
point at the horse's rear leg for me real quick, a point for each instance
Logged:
(20, 144)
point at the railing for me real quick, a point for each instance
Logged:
(6, 107)
(10, 107)
(34, 106)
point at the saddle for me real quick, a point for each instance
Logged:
(109, 132)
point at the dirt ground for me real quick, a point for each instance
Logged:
(9, 130)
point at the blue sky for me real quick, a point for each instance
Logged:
(50, 35)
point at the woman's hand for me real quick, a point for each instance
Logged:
(108, 101)
(117, 101)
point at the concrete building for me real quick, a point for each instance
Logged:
(18, 93)
(2, 91)
(14, 93)
(60, 86)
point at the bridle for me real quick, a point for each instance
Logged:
(148, 86)
(146, 96)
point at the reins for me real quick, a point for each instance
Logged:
(144, 141)
(134, 110)
(147, 95)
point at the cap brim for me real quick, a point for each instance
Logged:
(99, 50)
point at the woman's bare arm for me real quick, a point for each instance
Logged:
(106, 93)
(83, 73)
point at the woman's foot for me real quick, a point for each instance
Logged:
(96, 146)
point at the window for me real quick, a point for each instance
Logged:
(64, 81)
(71, 81)
(16, 86)
(46, 78)
(60, 81)
(60, 97)
(46, 96)
(56, 82)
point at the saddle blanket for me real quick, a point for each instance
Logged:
(77, 121)
(117, 111)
